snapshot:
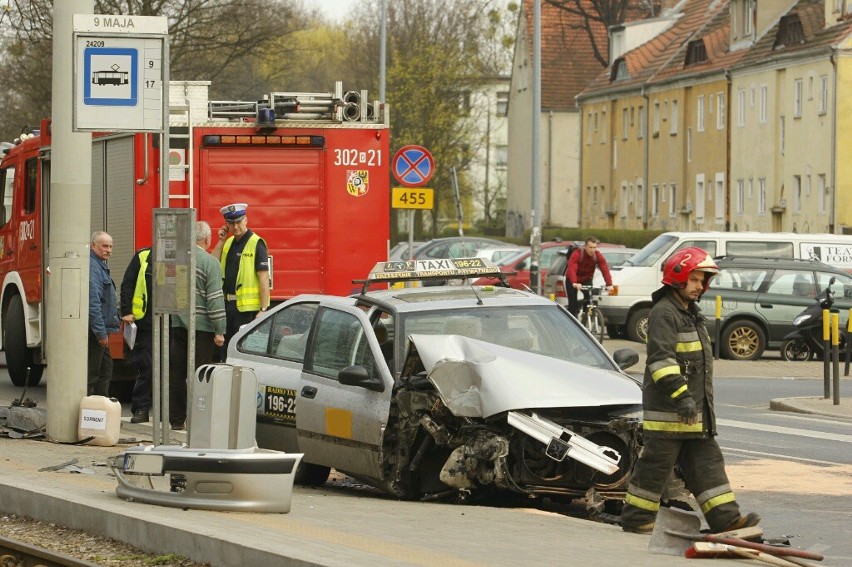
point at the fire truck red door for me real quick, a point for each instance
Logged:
(29, 232)
(8, 234)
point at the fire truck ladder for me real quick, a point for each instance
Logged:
(182, 112)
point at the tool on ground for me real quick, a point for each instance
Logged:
(703, 549)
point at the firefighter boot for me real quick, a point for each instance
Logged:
(747, 521)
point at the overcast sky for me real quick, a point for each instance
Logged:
(332, 8)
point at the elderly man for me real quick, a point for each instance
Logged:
(244, 260)
(103, 314)
(209, 326)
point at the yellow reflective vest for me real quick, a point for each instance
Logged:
(247, 286)
(140, 292)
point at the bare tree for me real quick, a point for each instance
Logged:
(597, 15)
(216, 40)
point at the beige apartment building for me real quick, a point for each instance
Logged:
(745, 114)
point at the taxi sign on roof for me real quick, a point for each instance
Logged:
(424, 269)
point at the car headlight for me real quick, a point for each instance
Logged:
(801, 319)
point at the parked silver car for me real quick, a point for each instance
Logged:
(444, 392)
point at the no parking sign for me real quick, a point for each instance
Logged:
(413, 166)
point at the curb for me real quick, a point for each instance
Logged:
(791, 405)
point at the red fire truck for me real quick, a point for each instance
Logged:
(313, 168)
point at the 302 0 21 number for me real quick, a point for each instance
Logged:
(413, 198)
(353, 157)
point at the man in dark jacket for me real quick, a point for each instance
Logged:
(679, 418)
(103, 314)
(581, 270)
(136, 308)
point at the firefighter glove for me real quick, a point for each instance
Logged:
(686, 410)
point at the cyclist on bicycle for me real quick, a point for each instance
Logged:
(581, 269)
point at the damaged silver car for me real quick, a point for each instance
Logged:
(444, 392)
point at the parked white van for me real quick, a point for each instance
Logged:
(626, 307)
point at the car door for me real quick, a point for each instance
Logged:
(341, 425)
(786, 295)
(275, 350)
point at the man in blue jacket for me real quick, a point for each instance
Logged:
(103, 314)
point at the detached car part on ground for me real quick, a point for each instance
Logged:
(445, 392)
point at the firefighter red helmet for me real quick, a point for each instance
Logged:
(683, 262)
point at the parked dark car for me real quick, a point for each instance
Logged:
(762, 296)
(454, 247)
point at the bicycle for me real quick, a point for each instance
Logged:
(591, 316)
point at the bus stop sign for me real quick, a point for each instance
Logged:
(413, 166)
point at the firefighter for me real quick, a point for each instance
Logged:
(679, 418)
(244, 260)
(135, 306)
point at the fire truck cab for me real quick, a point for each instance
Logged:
(313, 168)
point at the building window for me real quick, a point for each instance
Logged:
(699, 198)
(720, 111)
(624, 123)
(748, 14)
(740, 195)
(689, 144)
(464, 103)
(761, 195)
(764, 101)
(673, 119)
(656, 118)
(699, 113)
(751, 188)
(655, 200)
(502, 103)
(741, 110)
(501, 155)
(790, 31)
(810, 87)
(640, 199)
(821, 193)
(624, 200)
(614, 154)
(695, 52)
(672, 200)
(641, 122)
(808, 184)
(823, 94)
(797, 98)
(603, 126)
(720, 197)
(797, 193)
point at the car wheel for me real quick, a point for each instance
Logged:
(309, 474)
(743, 340)
(795, 350)
(637, 325)
(19, 356)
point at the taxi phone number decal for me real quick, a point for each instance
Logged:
(279, 404)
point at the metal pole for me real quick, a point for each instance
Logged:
(826, 353)
(535, 234)
(848, 345)
(835, 353)
(67, 287)
(718, 333)
(457, 195)
(383, 51)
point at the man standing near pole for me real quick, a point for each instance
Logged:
(103, 314)
(244, 261)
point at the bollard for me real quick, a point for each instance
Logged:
(835, 352)
(826, 354)
(718, 333)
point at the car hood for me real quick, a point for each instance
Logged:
(480, 379)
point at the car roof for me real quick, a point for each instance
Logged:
(782, 263)
(405, 300)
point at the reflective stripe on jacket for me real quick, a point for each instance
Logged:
(680, 360)
(247, 286)
(140, 293)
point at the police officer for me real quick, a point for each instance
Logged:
(135, 307)
(244, 260)
(679, 417)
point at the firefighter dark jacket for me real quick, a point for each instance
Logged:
(680, 363)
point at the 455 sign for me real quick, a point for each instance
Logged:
(413, 167)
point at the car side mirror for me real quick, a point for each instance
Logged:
(625, 358)
(359, 376)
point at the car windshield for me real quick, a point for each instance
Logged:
(652, 251)
(542, 329)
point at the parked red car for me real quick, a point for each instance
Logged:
(520, 264)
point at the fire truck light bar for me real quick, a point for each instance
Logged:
(263, 140)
